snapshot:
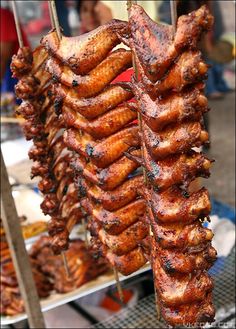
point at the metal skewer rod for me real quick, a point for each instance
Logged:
(173, 11)
(55, 18)
(17, 22)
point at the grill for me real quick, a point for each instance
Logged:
(144, 313)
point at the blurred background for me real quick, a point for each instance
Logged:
(78, 17)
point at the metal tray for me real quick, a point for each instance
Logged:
(55, 299)
(144, 313)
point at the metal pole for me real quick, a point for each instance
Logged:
(19, 254)
(17, 22)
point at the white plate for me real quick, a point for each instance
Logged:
(55, 299)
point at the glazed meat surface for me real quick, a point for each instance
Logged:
(156, 45)
(84, 53)
(171, 102)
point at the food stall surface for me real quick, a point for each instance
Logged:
(144, 314)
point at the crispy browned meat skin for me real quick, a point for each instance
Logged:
(22, 62)
(125, 264)
(174, 108)
(104, 125)
(92, 107)
(176, 170)
(35, 107)
(99, 130)
(180, 236)
(186, 262)
(11, 302)
(116, 222)
(97, 79)
(26, 61)
(118, 197)
(194, 313)
(33, 83)
(156, 46)
(101, 153)
(128, 263)
(126, 240)
(170, 98)
(111, 177)
(85, 52)
(178, 289)
(187, 70)
(44, 127)
(172, 205)
(174, 139)
(82, 266)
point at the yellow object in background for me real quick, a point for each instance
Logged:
(30, 230)
(33, 229)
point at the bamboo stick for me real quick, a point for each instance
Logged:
(17, 22)
(51, 14)
(55, 18)
(173, 10)
(118, 285)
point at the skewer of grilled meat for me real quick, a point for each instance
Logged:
(171, 102)
(81, 264)
(99, 129)
(11, 301)
(49, 152)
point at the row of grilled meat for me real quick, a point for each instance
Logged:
(106, 148)
(49, 152)
(48, 272)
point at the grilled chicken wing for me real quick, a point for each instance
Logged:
(173, 205)
(111, 177)
(116, 222)
(119, 197)
(105, 125)
(178, 289)
(97, 79)
(175, 139)
(156, 45)
(92, 107)
(125, 241)
(100, 153)
(175, 108)
(175, 170)
(85, 52)
(193, 313)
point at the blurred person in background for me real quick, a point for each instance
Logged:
(92, 14)
(8, 47)
(87, 15)
(63, 16)
(214, 50)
